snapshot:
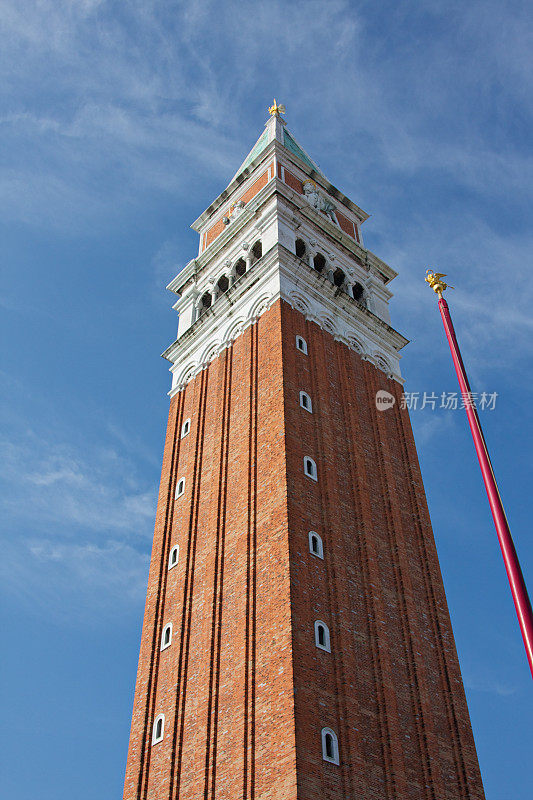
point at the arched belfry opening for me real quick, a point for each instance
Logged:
(300, 248)
(206, 301)
(358, 292)
(319, 262)
(339, 277)
(223, 284)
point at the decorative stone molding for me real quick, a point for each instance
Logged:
(234, 330)
(278, 273)
(210, 353)
(299, 303)
(261, 306)
(381, 363)
(327, 324)
(353, 343)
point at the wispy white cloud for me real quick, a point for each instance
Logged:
(167, 262)
(53, 483)
(73, 582)
(490, 685)
(103, 108)
(431, 425)
(77, 522)
(143, 102)
(128, 84)
(492, 300)
(133, 444)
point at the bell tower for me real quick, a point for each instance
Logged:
(296, 641)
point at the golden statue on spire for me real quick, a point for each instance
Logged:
(276, 110)
(435, 281)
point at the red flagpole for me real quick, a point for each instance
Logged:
(510, 557)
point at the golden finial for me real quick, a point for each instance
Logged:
(435, 281)
(276, 109)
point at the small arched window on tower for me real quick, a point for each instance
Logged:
(205, 302)
(330, 746)
(180, 487)
(310, 468)
(322, 636)
(158, 730)
(174, 556)
(240, 267)
(223, 284)
(305, 402)
(185, 428)
(315, 544)
(300, 248)
(301, 344)
(339, 277)
(319, 262)
(257, 250)
(166, 636)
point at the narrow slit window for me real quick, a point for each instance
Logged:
(174, 556)
(180, 487)
(310, 468)
(301, 344)
(185, 428)
(166, 637)
(322, 639)
(315, 544)
(158, 729)
(330, 746)
(305, 402)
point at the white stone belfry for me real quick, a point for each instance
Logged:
(281, 230)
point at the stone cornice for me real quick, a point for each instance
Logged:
(281, 274)
(224, 303)
(284, 156)
(365, 256)
(295, 268)
(276, 186)
(194, 266)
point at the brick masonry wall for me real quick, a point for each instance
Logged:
(225, 683)
(345, 224)
(391, 687)
(244, 690)
(293, 182)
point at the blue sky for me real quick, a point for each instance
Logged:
(119, 123)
